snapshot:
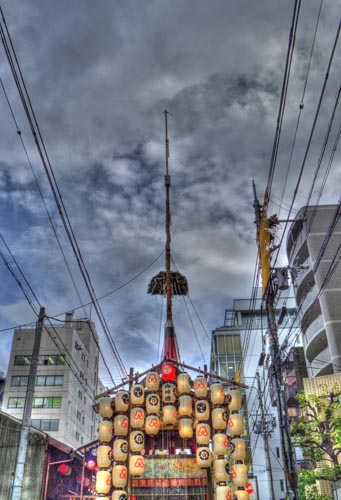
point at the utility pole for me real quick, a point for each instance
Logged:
(265, 435)
(16, 493)
(264, 239)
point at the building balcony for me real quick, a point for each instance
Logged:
(313, 329)
(310, 310)
(297, 243)
(318, 343)
(321, 364)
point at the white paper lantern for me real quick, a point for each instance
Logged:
(202, 433)
(136, 465)
(122, 401)
(204, 457)
(105, 431)
(120, 450)
(119, 476)
(241, 495)
(200, 387)
(137, 417)
(236, 424)
(202, 410)
(219, 418)
(185, 406)
(105, 407)
(217, 394)
(186, 428)
(152, 381)
(239, 474)
(104, 456)
(152, 425)
(137, 394)
(234, 400)
(221, 470)
(121, 424)
(136, 441)
(183, 383)
(220, 444)
(223, 493)
(168, 393)
(152, 403)
(169, 415)
(237, 449)
(103, 482)
(119, 495)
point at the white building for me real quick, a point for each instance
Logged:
(237, 349)
(313, 250)
(66, 382)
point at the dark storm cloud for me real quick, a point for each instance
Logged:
(99, 75)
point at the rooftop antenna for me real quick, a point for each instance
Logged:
(168, 283)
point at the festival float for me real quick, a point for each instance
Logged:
(173, 431)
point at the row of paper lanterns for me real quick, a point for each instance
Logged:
(144, 415)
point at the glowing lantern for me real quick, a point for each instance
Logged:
(119, 476)
(136, 441)
(238, 449)
(152, 381)
(121, 425)
(92, 464)
(152, 426)
(137, 394)
(65, 469)
(220, 444)
(136, 465)
(223, 493)
(119, 495)
(241, 495)
(186, 428)
(217, 394)
(104, 456)
(200, 387)
(169, 415)
(202, 410)
(184, 383)
(168, 371)
(153, 403)
(202, 434)
(234, 400)
(239, 474)
(120, 450)
(137, 416)
(219, 419)
(105, 408)
(204, 457)
(168, 393)
(235, 424)
(103, 482)
(221, 470)
(122, 401)
(185, 406)
(105, 431)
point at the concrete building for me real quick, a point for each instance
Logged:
(237, 349)
(313, 252)
(66, 382)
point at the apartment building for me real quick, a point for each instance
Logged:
(66, 383)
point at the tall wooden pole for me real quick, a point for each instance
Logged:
(168, 227)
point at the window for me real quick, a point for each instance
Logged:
(51, 380)
(282, 484)
(77, 436)
(45, 359)
(84, 400)
(228, 344)
(19, 381)
(45, 424)
(83, 420)
(79, 415)
(52, 402)
(277, 452)
(16, 403)
(80, 394)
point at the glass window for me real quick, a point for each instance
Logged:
(40, 380)
(50, 380)
(59, 380)
(16, 403)
(45, 424)
(19, 380)
(38, 402)
(22, 360)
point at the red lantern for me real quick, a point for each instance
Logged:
(65, 469)
(168, 371)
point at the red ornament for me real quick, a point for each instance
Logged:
(64, 469)
(168, 372)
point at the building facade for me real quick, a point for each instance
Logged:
(312, 249)
(239, 349)
(66, 382)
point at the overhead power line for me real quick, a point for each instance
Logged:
(33, 123)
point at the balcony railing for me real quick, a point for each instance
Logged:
(316, 326)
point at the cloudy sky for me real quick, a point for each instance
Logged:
(99, 75)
